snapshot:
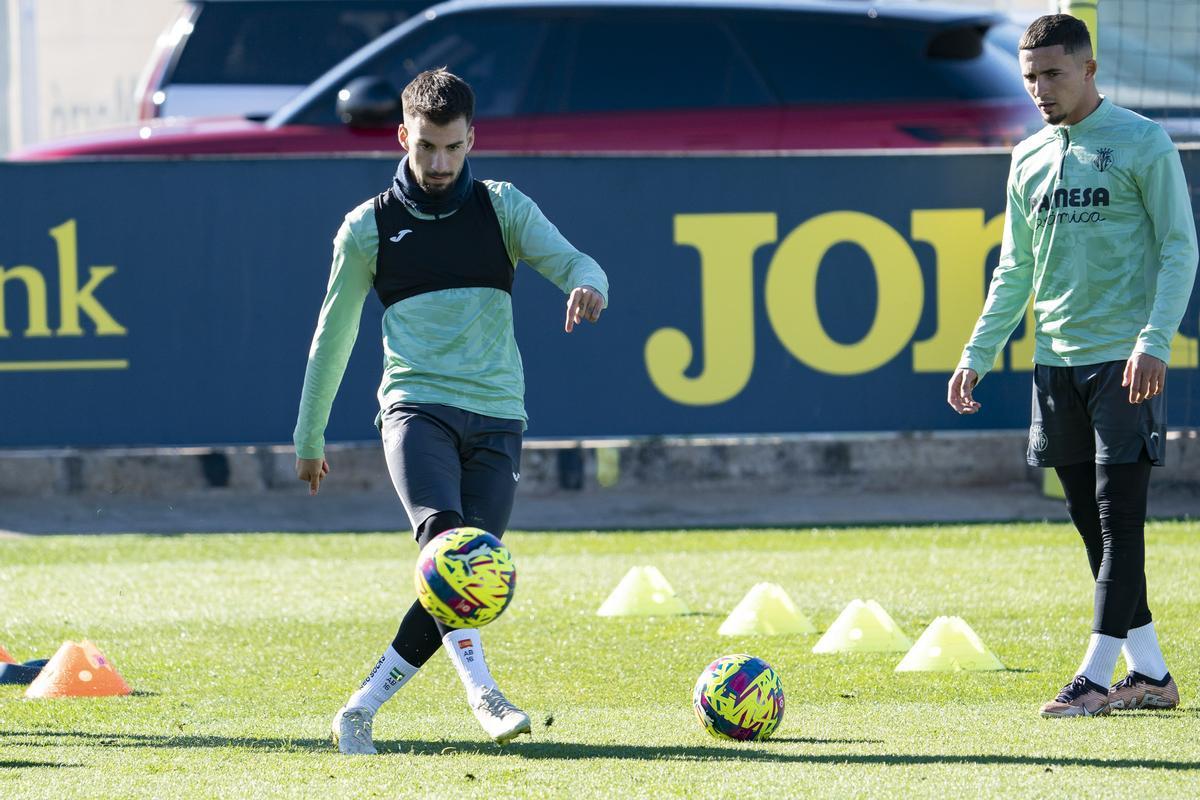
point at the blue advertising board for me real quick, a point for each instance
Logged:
(173, 302)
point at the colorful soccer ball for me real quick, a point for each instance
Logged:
(739, 697)
(465, 577)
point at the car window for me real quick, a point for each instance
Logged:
(493, 52)
(836, 60)
(280, 43)
(637, 62)
(1007, 37)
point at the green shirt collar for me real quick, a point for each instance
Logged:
(1091, 120)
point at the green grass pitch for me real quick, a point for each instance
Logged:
(241, 647)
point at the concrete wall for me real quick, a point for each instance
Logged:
(808, 463)
(74, 64)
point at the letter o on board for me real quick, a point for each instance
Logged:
(791, 293)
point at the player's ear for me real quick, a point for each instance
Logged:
(402, 136)
(470, 138)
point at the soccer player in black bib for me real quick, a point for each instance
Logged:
(439, 248)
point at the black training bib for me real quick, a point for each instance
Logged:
(463, 250)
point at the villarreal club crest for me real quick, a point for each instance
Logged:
(465, 577)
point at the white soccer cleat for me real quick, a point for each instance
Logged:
(500, 719)
(352, 732)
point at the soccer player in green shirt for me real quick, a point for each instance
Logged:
(439, 248)
(1099, 232)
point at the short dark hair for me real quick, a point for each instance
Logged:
(1071, 32)
(439, 96)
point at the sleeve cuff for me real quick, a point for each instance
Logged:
(309, 449)
(980, 367)
(1163, 354)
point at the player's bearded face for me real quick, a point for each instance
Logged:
(1060, 83)
(436, 152)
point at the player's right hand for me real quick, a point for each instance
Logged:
(311, 471)
(962, 383)
(585, 302)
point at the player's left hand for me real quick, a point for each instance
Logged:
(585, 302)
(1145, 376)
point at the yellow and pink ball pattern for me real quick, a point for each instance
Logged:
(465, 577)
(739, 697)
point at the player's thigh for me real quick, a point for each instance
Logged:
(1125, 432)
(1060, 431)
(420, 444)
(491, 469)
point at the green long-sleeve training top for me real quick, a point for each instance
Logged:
(454, 347)
(1099, 231)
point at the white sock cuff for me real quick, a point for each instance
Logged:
(454, 637)
(465, 651)
(386, 678)
(1101, 658)
(1143, 654)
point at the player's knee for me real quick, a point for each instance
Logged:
(435, 524)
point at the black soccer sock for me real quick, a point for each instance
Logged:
(420, 635)
(1121, 491)
(1079, 487)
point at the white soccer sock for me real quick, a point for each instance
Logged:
(466, 653)
(390, 673)
(1142, 653)
(1101, 658)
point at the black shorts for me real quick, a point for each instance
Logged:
(1084, 414)
(445, 459)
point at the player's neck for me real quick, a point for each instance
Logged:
(1086, 109)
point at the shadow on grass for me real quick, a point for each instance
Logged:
(764, 752)
(18, 764)
(815, 740)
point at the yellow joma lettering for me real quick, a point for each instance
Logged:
(791, 293)
(726, 244)
(961, 238)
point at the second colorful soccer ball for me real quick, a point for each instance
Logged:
(465, 577)
(739, 697)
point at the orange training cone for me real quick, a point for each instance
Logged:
(5, 658)
(78, 670)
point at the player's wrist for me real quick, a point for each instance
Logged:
(1157, 353)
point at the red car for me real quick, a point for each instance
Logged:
(628, 76)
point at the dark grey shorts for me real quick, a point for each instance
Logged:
(442, 458)
(1084, 414)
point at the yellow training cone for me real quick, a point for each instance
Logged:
(948, 645)
(863, 628)
(766, 609)
(643, 592)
